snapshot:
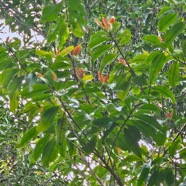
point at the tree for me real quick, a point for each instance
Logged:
(100, 99)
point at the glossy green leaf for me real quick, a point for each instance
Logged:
(140, 58)
(132, 136)
(5, 64)
(36, 153)
(98, 38)
(174, 74)
(106, 60)
(164, 91)
(164, 10)
(143, 175)
(173, 147)
(100, 50)
(160, 138)
(154, 178)
(183, 153)
(47, 119)
(87, 78)
(173, 32)
(149, 107)
(50, 12)
(49, 153)
(166, 21)
(157, 63)
(28, 135)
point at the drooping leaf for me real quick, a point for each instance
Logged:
(157, 61)
(143, 175)
(132, 136)
(27, 136)
(47, 119)
(49, 153)
(36, 153)
(14, 102)
(174, 74)
(165, 91)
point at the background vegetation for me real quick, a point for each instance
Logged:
(94, 93)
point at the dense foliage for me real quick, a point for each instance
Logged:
(94, 93)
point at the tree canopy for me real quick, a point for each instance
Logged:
(93, 93)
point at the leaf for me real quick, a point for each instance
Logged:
(157, 62)
(60, 131)
(98, 38)
(164, 91)
(90, 145)
(182, 153)
(8, 75)
(124, 36)
(154, 178)
(143, 175)
(149, 107)
(36, 153)
(49, 153)
(166, 21)
(47, 119)
(5, 64)
(27, 136)
(184, 47)
(100, 50)
(14, 102)
(149, 120)
(132, 136)
(106, 60)
(174, 74)
(173, 32)
(50, 12)
(170, 176)
(14, 85)
(151, 39)
(87, 78)
(103, 122)
(34, 90)
(174, 147)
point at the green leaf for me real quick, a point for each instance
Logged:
(6, 63)
(103, 122)
(170, 176)
(174, 147)
(100, 50)
(124, 36)
(49, 153)
(166, 21)
(140, 58)
(36, 153)
(7, 76)
(151, 39)
(164, 91)
(143, 175)
(154, 178)
(173, 32)
(183, 153)
(184, 47)
(14, 85)
(27, 136)
(98, 38)
(87, 78)
(90, 145)
(106, 60)
(149, 107)
(14, 102)
(157, 62)
(34, 91)
(50, 12)
(174, 74)
(47, 119)
(60, 131)
(132, 136)
(149, 120)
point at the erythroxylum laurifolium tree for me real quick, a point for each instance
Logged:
(101, 99)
